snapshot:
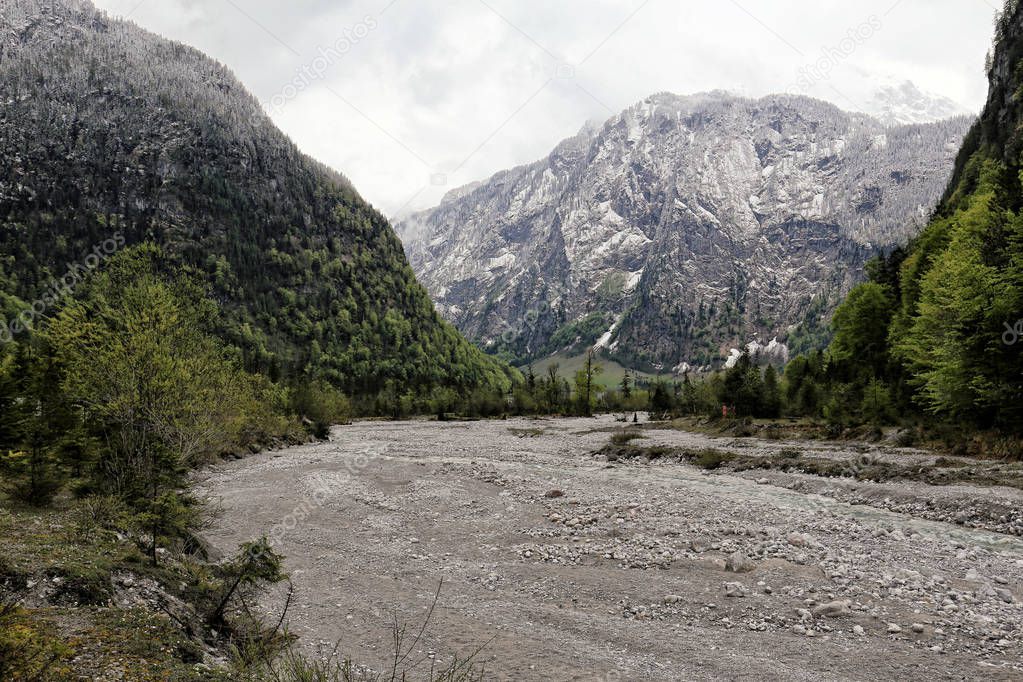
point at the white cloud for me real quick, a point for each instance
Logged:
(465, 88)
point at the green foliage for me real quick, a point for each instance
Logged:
(584, 385)
(138, 358)
(743, 388)
(32, 477)
(254, 567)
(30, 648)
(877, 406)
(34, 424)
(771, 402)
(310, 280)
(321, 405)
(576, 337)
(861, 330)
(709, 459)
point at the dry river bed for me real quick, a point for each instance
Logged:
(569, 567)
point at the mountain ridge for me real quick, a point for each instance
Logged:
(575, 226)
(164, 144)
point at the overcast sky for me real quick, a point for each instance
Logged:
(410, 98)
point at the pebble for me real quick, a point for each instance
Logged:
(893, 629)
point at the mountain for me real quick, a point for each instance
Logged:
(940, 323)
(681, 228)
(110, 135)
(903, 103)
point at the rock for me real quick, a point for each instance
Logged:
(917, 628)
(737, 590)
(858, 630)
(699, 544)
(1004, 594)
(672, 599)
(552, 494)
(893, 629)
(1000, 580)
(799, 539)
(799, 629)
(763, 481)
(833, 609)
(737, 562)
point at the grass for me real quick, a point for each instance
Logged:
(624, 437)
(709, 459)
(611, 377)
(80, 631)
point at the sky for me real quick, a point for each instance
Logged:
(412, 98)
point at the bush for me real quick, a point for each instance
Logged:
(321, 406)
(32, 477)
(29, 647)
(625, 437)
(710, 459)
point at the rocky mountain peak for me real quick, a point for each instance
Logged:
(681, 228)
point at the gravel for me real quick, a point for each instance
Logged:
(566, 567)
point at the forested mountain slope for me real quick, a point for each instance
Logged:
(942, 321)
(110, 132)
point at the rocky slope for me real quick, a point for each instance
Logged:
(903, 103)
(112, 135)
(681, 228)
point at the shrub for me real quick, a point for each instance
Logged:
(30, 648)
(625, 437)
(710, 459)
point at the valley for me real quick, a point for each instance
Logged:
(563, 565)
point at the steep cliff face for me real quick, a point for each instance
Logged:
(107, 129)
(680, 228)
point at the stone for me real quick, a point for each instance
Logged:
(893, 629)
(672, 599)
(552, 494)
(736, 590)
(800, 540)
(858, 630)
(833, 609)
(917, 628)
(737, 562)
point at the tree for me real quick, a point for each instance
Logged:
(660, 398)
(689, 395)
(743, 387)
(626, 385)
(164, 394)
(772, 393)
(552, 387)
(531, 381)
(861, 325)
(36, 421)
(876, 407)
(584, 380)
